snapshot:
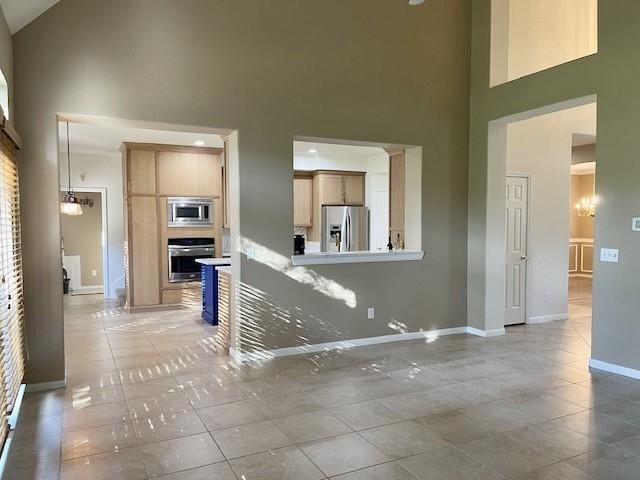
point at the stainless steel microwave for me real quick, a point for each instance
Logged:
(189, 212)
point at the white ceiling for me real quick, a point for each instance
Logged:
(333, 150)
(22, 12)
(100, 139)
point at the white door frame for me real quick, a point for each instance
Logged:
(491, 311)
(105, 233)
(527, 283)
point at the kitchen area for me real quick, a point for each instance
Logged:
(176, 227)
(349, 203)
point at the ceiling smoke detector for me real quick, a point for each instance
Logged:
(413, 3)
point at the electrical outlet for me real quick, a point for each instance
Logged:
(94, 273)
(547, 297)
(371, 313)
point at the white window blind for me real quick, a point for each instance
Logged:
(12, 332)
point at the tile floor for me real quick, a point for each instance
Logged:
(148, 397)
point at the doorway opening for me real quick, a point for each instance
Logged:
(582, 211)
(530, 164)
(150, 200)
(83, 247)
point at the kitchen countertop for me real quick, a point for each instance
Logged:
(214, 261)
(328, 258)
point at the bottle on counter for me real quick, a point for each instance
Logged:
(390, 245)
(399, 243)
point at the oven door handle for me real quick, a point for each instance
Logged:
(190, 252)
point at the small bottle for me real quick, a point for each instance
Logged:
(390, 245)
(399, 243)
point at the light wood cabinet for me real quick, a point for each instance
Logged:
(151, 173)
(334, 187)
(396, 196)
(331, 188)
(144, 267)
(302, 200)
(141, 168)
(189, 174)
(353, 189)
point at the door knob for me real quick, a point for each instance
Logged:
(523, 257)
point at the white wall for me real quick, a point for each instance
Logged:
(540, 34)
(541, 147)
(103, 171)
(353, 163)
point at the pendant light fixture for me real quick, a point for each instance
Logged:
(70, 204)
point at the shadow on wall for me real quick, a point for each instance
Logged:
(282, 264)
(257, 335)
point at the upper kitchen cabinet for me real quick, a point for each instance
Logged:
(184, 173)
(140, 171)
(334, 187)
(302, 199)
(339, 188)
(354, 188)
(152, 173)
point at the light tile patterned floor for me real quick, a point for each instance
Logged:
(148, 397)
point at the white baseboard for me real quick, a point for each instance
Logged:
(613, 368)
(39, 387)
(359, 342)
(548, 318)
(486, 333)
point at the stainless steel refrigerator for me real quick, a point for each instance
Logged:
(344, 229)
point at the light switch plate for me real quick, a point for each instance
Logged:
(251, 253)
(635, 224)
(609, 255)
(371, 313)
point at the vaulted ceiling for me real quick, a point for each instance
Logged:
(22, 12)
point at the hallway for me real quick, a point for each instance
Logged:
(149, 397)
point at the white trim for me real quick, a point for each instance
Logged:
(486, 333)
(39, 387)
(582, 247)
(326, 258)
(613, 368)
(89, 289)
(548, 318)
(574, 245)
(343, 344)
(581, 240)
(359, 342)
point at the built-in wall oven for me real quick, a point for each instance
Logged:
(182, 254)
(189, 212)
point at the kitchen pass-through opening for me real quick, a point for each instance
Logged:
(351, 198)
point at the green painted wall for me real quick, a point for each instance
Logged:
(371, 70)
(611, 74)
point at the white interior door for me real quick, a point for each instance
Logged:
(516, 231)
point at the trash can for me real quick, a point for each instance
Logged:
(65, 281)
